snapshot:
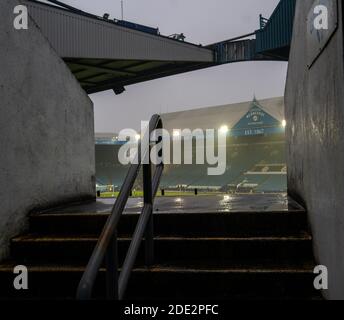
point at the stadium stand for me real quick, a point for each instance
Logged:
(255, 150)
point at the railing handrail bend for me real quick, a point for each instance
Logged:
(106, 246)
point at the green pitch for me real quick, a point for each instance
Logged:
(139, 194)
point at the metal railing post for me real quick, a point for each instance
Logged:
(111, 264)
(148, 199)
(150, 241)
(106, 247)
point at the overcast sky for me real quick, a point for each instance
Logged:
(202, 21)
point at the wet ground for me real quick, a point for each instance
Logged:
(197, 204)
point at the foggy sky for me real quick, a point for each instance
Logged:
(202, 21)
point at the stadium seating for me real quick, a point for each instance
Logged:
(273, 184)
(260, 156)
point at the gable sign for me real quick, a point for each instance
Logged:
(256, 122)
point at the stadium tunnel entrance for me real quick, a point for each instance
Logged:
(218, 249)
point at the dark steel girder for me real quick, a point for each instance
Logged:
(102, 68)
(146, 76)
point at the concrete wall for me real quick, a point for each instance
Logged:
(46, 128)
(315, 115)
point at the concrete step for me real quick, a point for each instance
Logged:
(241, 252)
(220, 224)
(179, 250)
(164, 282)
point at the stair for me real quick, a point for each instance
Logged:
(224, 255)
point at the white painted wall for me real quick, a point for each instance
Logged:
(46, 128)
(315, 135)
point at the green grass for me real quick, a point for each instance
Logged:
(139, 194)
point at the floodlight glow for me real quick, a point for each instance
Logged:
(224, 129)
(137, 137)
(284, 123)
(176, 133)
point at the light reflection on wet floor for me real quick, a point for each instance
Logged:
(197, 204)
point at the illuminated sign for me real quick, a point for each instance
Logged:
(256, 122)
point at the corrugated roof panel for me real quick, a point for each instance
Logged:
(76, 36)
(277, 33)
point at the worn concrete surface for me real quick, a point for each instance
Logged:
(315, 132)
(196, 204)
(46, 127)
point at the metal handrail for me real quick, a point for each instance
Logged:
(106, 246)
